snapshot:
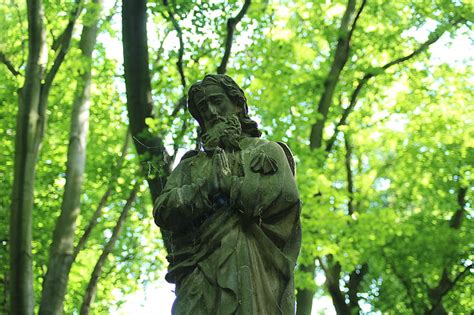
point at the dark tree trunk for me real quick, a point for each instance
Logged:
(150, 147)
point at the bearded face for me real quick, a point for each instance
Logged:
(224, 133)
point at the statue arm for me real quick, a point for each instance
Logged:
(179, 203)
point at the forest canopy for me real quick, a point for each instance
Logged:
(374, 98)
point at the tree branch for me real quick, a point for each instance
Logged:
(112, 12)
(51, 74)
(434, 36)
(178, 137)
(92, 286)
(160, 48)
(359, 12)
(182, 101)
(437, 294)
(231, 24)
(341, 56)
(445, 284)
(350, 180)
(176, 26)
(103, 201)
(6, 62)
(65, 42)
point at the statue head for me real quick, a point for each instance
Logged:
(217, 97)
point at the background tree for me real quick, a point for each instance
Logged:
(379, 124)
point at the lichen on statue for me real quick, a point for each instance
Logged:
(232, 210)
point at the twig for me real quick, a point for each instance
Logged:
(179, 136)
(160, 49)
(354, 23)
(11, 68)
(180, 104)
(176, 26)
(350, 179)
(231, 24)
(434, 36)
(65, 41)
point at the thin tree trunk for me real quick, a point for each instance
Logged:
(26, 155)
(92, 286)
(60, 261)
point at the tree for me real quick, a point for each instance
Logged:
(62, 249)
(378, 122)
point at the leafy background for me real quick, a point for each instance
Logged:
(379, 207)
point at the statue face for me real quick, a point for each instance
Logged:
(213, 103)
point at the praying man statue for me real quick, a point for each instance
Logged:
(232, 212)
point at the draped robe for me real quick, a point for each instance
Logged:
(237, 257)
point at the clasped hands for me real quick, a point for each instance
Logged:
(219, 182)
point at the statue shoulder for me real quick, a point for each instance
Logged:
(289, 156)
(267, 150)
(188, 155)
(281, 146)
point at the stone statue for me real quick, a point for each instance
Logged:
(232, 209)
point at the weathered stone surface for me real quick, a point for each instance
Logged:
(233, 212)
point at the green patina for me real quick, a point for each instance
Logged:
(232, 210)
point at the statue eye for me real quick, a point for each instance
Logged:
(217, 100)
(202, 106)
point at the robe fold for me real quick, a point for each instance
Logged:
(236, 258)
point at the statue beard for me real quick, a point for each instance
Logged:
(225, 134)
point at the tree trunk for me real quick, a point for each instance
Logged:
(60, 261)
(333, 271)
(139, 102)
(304, 298)
(27, 142)
(92, 286)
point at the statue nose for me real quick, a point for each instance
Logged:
(213, 110)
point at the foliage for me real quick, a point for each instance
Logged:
(410, 136)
